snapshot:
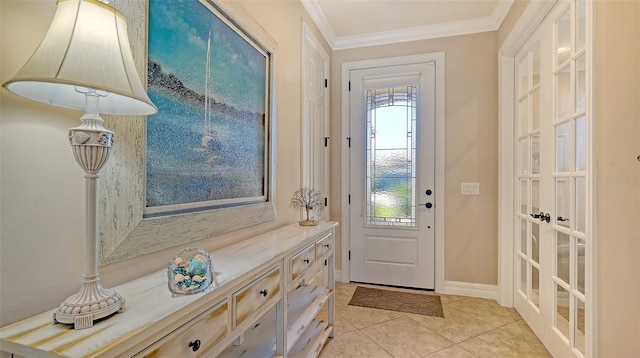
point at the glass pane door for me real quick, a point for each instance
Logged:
(570, 123)
(528, 137)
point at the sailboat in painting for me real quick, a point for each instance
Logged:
(210, 141)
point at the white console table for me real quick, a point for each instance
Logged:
(268, 291)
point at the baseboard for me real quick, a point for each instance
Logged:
(337, 274)
(470, 289)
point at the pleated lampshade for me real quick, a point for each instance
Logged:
(86, 47)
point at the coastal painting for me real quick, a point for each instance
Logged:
(208, 145)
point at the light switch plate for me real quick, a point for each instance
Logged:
(470, 189)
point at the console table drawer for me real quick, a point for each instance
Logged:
(301, 261)
(324, 245)
(209, 329)
(256, 297)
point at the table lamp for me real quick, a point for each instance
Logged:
(84, 62)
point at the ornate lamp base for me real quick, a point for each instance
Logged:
(90, 304)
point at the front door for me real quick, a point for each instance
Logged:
(392, 213)
(552, 196)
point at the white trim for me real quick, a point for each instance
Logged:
(308, 159)
(470, 289)
(439, 59)
(453, 28)
(321, 21)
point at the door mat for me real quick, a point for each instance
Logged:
(424, 304)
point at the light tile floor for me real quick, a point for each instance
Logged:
(471, 327)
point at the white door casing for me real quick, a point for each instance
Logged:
(315, 118)
(437, 59)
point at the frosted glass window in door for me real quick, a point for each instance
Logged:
(580, 264)
(580, 326)
(535, 286)
(524, 75)
(563, 147)
(523, 236)
(563, 202)
(562, 311)
(563, 38)
(391, 150)
(581, 85)
(563, 248)
(563, 93)
(580, 199)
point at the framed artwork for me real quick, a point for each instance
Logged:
(204, 164)
(207, 146)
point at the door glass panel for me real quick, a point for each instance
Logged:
(580, 256)
(581, 24)
(581, 84)
(581, 143)
(535, 286)
(524, 75)
(535, 59)
(524, 197)
(562, 250)
(391, 146)
(535, 196)
(524, 156)
(535, 109)
(523, 276)
(563, 90)
(523, 236)
(563, 142)
(581, 209)
(563, 202)
(580, 326)
(535, 154)
(535, 242)
(524, 116)
(562, 310)
(563, 38)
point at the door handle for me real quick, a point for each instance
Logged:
(560, 218)
(427, 205)
(542, 216)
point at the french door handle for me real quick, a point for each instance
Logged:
(542, 216)
(560, 218)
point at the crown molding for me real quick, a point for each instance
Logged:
(321, 21)
(455, 28)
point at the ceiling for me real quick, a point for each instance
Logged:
(357, 23)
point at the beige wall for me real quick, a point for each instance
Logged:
(42, 188)
(617, 104)
(471, 146)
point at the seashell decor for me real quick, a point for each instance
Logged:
(190, 271)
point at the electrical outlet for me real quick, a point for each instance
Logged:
(470, 189)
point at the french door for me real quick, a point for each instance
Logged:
(552, 227)
(392, 155)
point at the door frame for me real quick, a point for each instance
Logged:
(439, 59)
(530, 20)
(309, 43)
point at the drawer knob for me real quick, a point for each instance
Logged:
(306, 261)
(195, 345)
(326, 245)
(264, 292)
